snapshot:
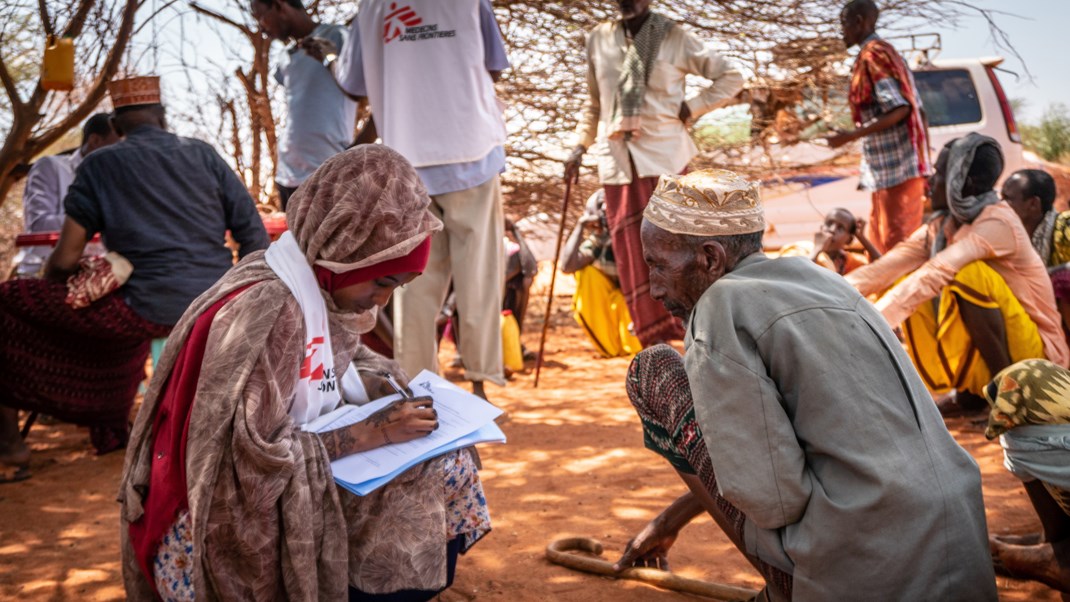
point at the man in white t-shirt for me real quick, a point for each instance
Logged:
(319, 118)
(428, 69)
(47, 184)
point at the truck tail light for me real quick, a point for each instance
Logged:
(1005, 106)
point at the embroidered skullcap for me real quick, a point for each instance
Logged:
(712, 202)
(134, 91)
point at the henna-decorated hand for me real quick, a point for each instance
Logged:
(404, 420)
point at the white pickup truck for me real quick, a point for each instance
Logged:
(960, 96)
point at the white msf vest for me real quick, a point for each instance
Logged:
(429, 89)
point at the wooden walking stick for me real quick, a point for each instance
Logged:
(560, 552)
(553, 278)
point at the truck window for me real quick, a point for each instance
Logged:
(948, 96)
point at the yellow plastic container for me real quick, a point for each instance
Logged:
(57, 69)
(512, 356)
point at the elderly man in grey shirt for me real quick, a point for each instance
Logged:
(831, 461)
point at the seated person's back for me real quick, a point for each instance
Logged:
(598, 304)
(164, 202)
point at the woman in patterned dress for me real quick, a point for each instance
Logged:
(224, 496)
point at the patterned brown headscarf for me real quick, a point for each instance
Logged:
(1030, 392)
(361, 207)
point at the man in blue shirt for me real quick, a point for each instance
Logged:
(319, 117)
(428, 70)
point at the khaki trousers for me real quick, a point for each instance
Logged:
(469, 250)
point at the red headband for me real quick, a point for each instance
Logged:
(415, 261)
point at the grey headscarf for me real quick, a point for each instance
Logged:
(963, 209)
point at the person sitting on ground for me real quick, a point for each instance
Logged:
(224, 495)
(598, 303)
(829, 248)
(47, 184)
(162, 202)
(520, 270)
(971, 271)
(1031, 193)
(832, 472)
(1030, 413)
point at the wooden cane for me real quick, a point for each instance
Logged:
(553, 278)
(558, 552)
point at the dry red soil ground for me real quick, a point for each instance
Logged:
(574, 466)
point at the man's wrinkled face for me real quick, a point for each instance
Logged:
(938, 182)
(629, 9)
(1014, 192)
(678, 277)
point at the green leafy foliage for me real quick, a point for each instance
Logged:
(1050, 138)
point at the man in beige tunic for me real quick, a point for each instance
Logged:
(818, 428)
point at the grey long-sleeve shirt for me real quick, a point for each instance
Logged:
(165, 203)
(821, 431)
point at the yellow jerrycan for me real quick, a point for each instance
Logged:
(512, 356)
(57, 70)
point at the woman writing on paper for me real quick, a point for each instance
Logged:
(224, 496)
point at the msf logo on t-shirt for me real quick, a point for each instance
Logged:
(404, 25)
(317, 371)
(398, 20)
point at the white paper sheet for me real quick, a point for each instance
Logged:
(488, 433)
(460, 414)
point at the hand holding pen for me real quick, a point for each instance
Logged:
(406, 419)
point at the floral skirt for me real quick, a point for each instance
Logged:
(467, 516)
(172, 568)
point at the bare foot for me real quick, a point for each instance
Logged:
(477, 389)
(1037, 562)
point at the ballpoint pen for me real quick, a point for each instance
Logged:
(396, 385)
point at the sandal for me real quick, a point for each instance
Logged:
(14, 474)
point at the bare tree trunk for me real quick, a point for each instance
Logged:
(256, 124)
(255, 82)
(228, 110)
(267, 118)
(21, 144)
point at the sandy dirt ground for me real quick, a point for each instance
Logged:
(574, 466)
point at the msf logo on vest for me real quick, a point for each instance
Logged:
(398, 20)
(404, 25)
